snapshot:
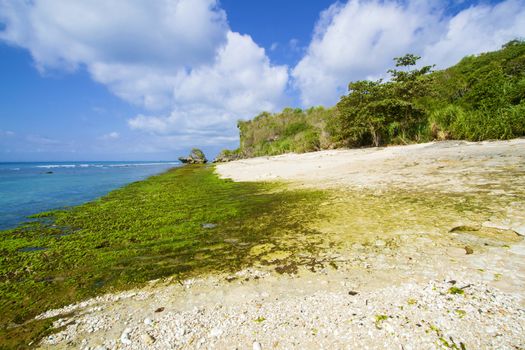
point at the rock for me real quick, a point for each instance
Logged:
(196, 157)
(227, 156)
(124, 338)
(147, 339)
(469, 250)
(148, 321)
(257, 346)
(209, 225)
(520, 230)
(216, 332)
(466, 228)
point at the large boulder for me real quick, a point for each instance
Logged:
(196, 157)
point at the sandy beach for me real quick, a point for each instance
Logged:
(421, 248)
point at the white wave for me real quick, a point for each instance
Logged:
(52, 166)
(88, 165)
(141, 164)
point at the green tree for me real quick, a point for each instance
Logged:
(374, 112)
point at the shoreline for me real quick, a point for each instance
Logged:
(35, 187)
(441, 263)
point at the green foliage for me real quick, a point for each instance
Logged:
(380, 112)
(291, 130)
(480, 98)
(456, 290)
(146, 230)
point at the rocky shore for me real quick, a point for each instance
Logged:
(423, 249)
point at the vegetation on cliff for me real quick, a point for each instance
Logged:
(482, 97)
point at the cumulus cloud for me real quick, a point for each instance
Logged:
(178, 59)
(134, 47)
(358, 39)
(477, 29)
(208, 100)
(240, 83)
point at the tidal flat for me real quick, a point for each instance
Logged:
(182, 223)
(418, 246)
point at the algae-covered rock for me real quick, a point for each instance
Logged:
(196, 157)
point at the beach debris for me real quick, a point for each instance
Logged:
(147, 338)
(216, 332)
(124, 338)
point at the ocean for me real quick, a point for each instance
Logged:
(30, 188)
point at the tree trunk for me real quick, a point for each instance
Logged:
(376, 138)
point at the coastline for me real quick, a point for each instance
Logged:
(29, 188)
(417, 286)
(397, 258)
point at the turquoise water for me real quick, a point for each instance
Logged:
(30, 188)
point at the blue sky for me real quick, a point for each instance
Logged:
(141, 80)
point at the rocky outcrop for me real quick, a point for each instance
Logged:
(196, 157)
(227, 156)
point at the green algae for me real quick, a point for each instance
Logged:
(147, 230)
(366, 216)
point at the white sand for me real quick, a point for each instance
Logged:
(450, 166)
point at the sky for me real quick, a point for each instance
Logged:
(149, 80)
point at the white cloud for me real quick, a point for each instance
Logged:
(111, 136)
(240, 83)
(358, 39)
(477, 29)
(176, 58)
(134, 47)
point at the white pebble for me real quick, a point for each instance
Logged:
(124, 338)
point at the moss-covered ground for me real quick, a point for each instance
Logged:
(184, 222)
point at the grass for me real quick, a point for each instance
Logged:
(143, 231)
(456, 290)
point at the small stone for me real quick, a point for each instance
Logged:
(216, 332)
(352, 293)
(124, 338)
(257, 346)
(160, 309)
(147, 339)
(148, 321)
(469, 250)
